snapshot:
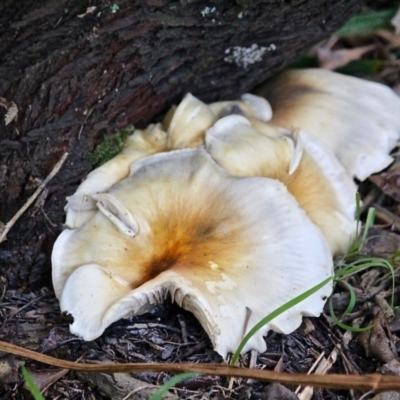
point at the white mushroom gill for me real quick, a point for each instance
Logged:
(356, 119)
(217, 244)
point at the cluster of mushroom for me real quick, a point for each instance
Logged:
(231, 209)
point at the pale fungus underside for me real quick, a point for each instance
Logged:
(227, 208)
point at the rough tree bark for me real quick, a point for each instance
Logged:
(78, 75)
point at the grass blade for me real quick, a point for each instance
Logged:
(31, 384)
(275, 313)
(170, 384)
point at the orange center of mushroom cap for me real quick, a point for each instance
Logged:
(184, 223)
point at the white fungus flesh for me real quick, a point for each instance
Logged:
(189, 122)
(310, 172)
(216, 244)
(358, 120)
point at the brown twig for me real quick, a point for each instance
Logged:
(387, 217)
(369, 199)
(31, 199)
(386, 309)
(185, 334)
(376, 382)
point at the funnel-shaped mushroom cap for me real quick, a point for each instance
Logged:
(188, 123)
(180, 226)
(358, 120)
(311, 173)
(80, 206)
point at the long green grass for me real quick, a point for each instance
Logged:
(30, 383)
(158, 395)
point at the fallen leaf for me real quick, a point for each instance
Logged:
(395, 325)
(389, 182)
(45, 378)
(278, 366)
(276, 391)
(12, 110)
(31, 314)
(390, 37)
(89, 10)
(121, 386)
(381, 243)
(395, 21)
(332, 59)
(306, 327)
(392, 368)
(11, 113)
(376, 342)
(57, 337)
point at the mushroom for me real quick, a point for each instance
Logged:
(187, 123)
(358, 120)
(179, 225)
(310, 171)
(247, 223)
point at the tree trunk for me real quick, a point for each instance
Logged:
(78, 74)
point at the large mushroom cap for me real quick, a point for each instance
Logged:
(358, 120)
(310, 171)
(179, 225)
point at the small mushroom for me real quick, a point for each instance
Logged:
(358, 120)
(310, 171)
(180, 226)
(80, 206)
(188, 122)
